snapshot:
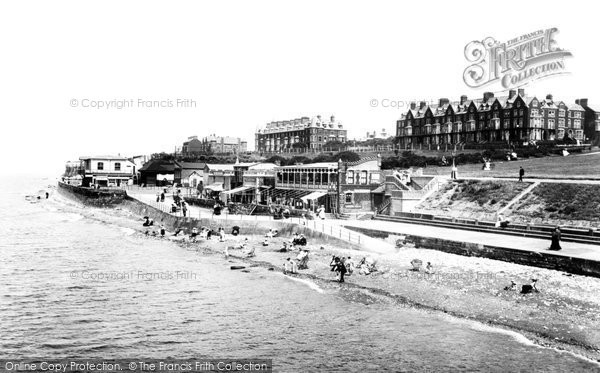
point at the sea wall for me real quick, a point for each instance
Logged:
(535, 259)
(247, 225)
(93, 197)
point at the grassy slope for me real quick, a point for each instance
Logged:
(576, 204)
(472, 198)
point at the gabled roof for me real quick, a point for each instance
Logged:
(158, 166)
(190, 165)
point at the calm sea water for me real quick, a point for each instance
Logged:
(80, 282)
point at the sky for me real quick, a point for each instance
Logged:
(246, 63)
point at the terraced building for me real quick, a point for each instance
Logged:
(513, 118)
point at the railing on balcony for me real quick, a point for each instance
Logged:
(305, 186)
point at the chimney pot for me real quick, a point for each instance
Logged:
(522, 92)
(463, 99)
(413, 105)
(511, 93)
(422, 104)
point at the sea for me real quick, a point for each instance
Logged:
(83, 282)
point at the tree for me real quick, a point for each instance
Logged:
(299, 145)
(346, 156)
(334, 146)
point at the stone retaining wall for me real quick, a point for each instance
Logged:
(543, 260)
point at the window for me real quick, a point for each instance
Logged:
(319, 138)
(534, 112)
(577, 123)
(550, 123)
(561, 122)
(577, 114)
(521, 112)
(100, 165)
(350, 177)
(348, 197)
(117, 166)
(561, 113)
(551, 113)
(363, 177)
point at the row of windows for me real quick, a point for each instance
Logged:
(100, 166)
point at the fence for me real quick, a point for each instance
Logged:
(324, 226)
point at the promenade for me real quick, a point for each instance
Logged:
(337, 228)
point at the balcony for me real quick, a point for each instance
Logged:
(326, 186)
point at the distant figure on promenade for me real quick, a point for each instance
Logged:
(303, 218)
(321, 212)
(162, 230)
(521, 173)
(162, 197)
(221, 234)
(157, 197)
(555, 245)
(454, 171)
(502, 222)
(444, 161)
(184, 208)
(48, 195)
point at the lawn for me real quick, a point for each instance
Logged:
(586, 165)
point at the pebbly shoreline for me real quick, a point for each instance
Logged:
(563, 315)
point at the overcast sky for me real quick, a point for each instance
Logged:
(246, 63)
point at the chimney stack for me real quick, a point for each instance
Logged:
(487, 96)
(511, 94)
(413, 105)
(422, 104)
(583, 102)
(549, 97)
(443, 101)
(522, 92)
(463, 99)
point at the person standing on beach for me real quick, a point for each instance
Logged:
(184, 208)
(454, 171)
(521, 173)
(341, 269)
(555, 245)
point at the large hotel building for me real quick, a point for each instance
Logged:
(308, 133)
(512, 118)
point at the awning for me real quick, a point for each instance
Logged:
(313, 196)
(216, 187)
(237, 190)
(101, 178)
(379, 189)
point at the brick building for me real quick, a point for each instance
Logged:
(304, 133)
(513, 118)
(215, 144)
